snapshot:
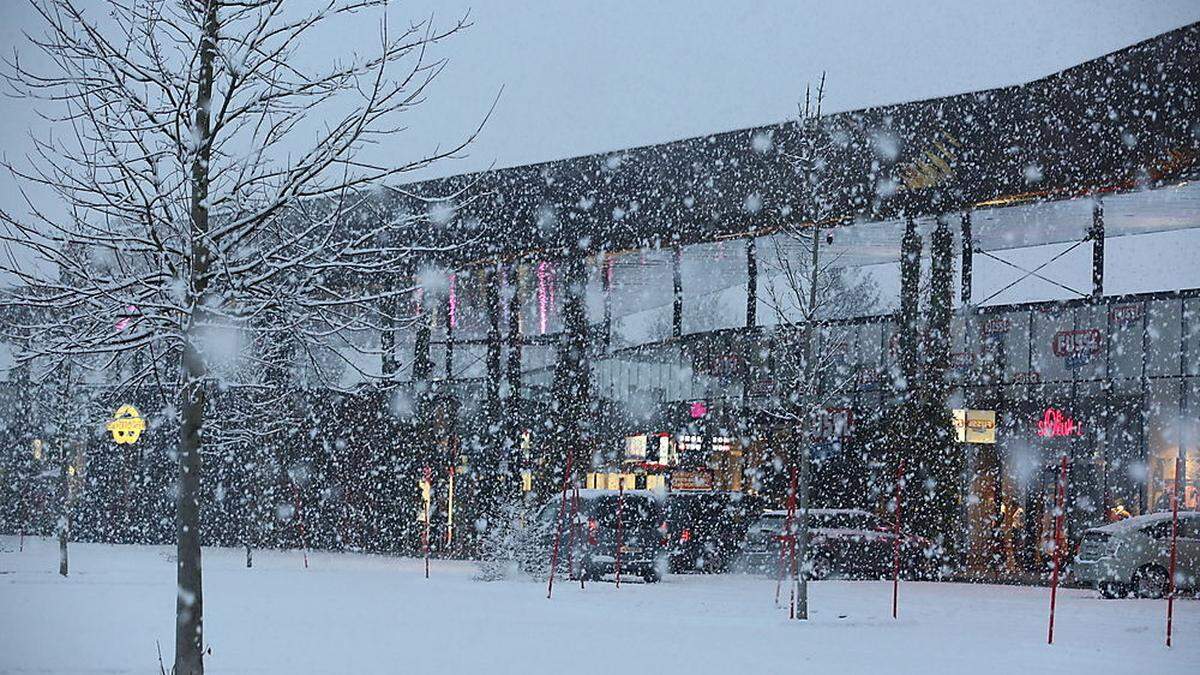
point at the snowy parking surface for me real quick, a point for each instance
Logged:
(371, 614)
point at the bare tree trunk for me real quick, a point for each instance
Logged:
(189, 602)
(64, 518)
(810, 396)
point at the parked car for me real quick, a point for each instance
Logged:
(850, 543)
(642, 532)
(1133, 555)
(706, 527)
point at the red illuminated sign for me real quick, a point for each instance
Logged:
(1055, 423)
(699, 409)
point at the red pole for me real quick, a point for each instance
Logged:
(896, 543)
(1059, 498)
(427, 474)
(300, 522)
(620, 533)
(1174, 535)
(562, 508)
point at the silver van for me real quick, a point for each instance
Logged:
(1133, 555)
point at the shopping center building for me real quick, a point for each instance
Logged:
(648, 297)
(681, 257)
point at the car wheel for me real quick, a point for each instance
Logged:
(1113, 591)
(1150, 582)
(651, 576)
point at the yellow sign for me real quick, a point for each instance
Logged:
(975, 426)
(127, 425)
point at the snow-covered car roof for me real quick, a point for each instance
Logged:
(595, 493)
(1138, 522)
(780, 513)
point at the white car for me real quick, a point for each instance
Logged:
(1133, 555)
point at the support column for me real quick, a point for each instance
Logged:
(514, 419)
(451, 301)
(751, 283)
(422, 365)
(1097, 237)
(968, 260)
(514, 333)
(910, 281)
(677, 286)
(606, 273)
(572, 387)
(491, 284)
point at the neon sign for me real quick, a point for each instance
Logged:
(1056, 424)
(698, 409)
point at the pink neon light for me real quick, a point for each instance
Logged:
(1055, 424)
(699, 409)
(453, 301)
(124, 321)
(541, 296)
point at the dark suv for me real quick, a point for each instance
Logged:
(642, 532)
(705, 528)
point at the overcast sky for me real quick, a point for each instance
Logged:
(582, 77)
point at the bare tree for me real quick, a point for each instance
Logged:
(202, 178)
(806, 293)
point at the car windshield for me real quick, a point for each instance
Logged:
(636, 513)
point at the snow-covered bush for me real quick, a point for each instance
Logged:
(511, 545)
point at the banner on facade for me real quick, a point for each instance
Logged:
(691, 480)
(975, 426)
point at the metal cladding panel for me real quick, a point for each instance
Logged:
(1126, 120)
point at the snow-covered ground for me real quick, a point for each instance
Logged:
(372, 614)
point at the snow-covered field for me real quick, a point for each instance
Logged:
(371, 614)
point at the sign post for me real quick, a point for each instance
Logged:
(1174, 540)
(896, 543)
(428, 476)
(1059, 508)
(562, 509)
(620, 531)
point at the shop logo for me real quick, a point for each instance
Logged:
(1077, 346)
(997, 326)
(1123, 315)
(126, 425)
(1056, 424)
(1027, 377)
(698, 409)
(962, 361)
(934, 165)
